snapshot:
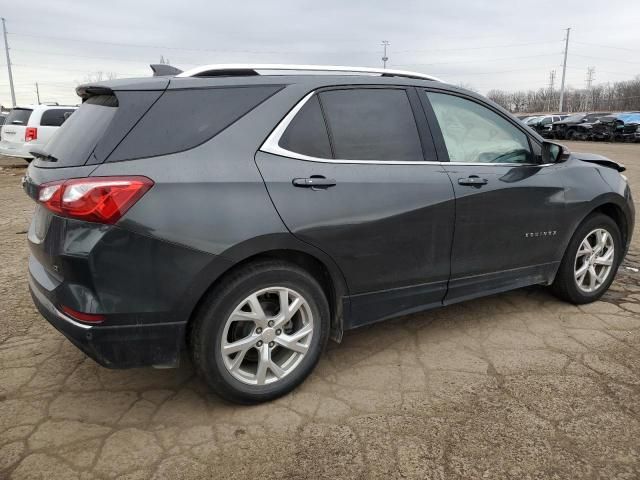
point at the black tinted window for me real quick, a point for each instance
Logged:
(55, 117)
(72, 143)
(307, 132)
(19, 116)
(372, 124)
(183, 119)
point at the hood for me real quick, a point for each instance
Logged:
(599, 159)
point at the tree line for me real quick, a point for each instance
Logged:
(617, 96)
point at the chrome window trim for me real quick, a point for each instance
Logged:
(272, 145)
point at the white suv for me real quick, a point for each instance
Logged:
(31, 126)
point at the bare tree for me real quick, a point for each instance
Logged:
(100, 76)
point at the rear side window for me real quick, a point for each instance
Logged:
(184, 119)
(307, 132)
(72, 143)
(19, 116)
(371, 124)
(55, 117)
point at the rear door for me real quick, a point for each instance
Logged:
(509, 207)
(353, 171)
(13, 131)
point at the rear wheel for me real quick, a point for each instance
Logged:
(590, 262)
(261, 332)
(571, 135)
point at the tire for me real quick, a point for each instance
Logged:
(271, 281)
(571, 134)
(565, 285)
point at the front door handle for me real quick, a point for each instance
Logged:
(473, 180)
(314, 182)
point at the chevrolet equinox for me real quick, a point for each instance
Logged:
(248, 213)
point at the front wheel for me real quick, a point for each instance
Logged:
(260, 333)
(590, 262)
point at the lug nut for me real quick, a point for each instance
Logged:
(259, 344)
(258, 330)
(278, 332)
(270, 323)
(271, 344)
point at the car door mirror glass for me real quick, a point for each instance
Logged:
(553, 152)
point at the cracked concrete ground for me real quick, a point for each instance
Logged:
(518, 385)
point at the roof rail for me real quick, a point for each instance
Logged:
(241, 69)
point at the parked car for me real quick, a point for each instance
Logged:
(577, 126)
(543, 124)
(29, 127)
(3, 117)
(530, 120)
(617, 127)
(247, 216)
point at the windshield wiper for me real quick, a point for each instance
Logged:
(42, 155)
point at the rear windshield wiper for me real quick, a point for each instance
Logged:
(42, 155)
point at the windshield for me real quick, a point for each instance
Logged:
(19, 116)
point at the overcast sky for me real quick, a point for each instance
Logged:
(506, 44)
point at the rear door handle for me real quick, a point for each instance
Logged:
(473, 180)
(314, 182)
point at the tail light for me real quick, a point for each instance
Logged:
(30, 134)
(95, 199)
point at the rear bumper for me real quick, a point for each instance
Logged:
(15, 150)
(118, 346)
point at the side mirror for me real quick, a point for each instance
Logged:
(554, 152)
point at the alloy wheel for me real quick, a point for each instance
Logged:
(594, 260)
(267, 335)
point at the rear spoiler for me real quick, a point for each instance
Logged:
(164, 70)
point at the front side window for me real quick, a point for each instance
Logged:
(474, 134)
(371, 124)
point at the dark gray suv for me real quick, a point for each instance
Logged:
(249, 213)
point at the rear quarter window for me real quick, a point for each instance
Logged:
(19, 116)
(55, 116)
(74, 141)
(183, 119)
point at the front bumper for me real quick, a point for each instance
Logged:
(116, 346)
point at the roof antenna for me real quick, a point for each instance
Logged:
(163, 70)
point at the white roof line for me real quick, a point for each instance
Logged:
(309, 68)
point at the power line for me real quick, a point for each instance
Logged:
(475, 48)
(608, 46)
(472, 61)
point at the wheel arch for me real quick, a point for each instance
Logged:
(293, 251)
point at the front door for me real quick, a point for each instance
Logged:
(348, 175)
(508, 206)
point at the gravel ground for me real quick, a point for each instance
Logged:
(518, 385)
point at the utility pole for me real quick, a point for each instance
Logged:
(385, 44)
(38, 93)
(564, 69)
(6, 50)
(589, 80)
(552, 81)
